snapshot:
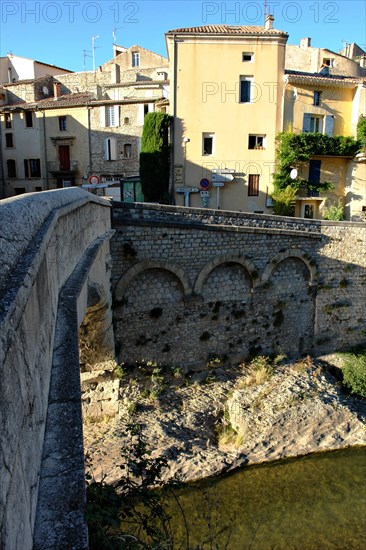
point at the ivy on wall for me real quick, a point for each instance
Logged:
(295, 148)
(155, 157)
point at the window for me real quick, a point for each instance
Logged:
(127, 150)
(9, 140)
(126, 120)
(110, 145)
(8, 121)
(208, 144)
(247, 56)
(328, 61)
(32, 168)
(12, 168)
(38, 189)
(111, 115)
(135, 59)
(253, 185)
(28, 119)
(256, 141)
(309, 211)
(146, 109)
(314, 170)
(316, 99)
(19, 190)
(246, 83)
(62, 123)
(318, 123)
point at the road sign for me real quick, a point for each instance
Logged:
(187, 190)
(223, 171)
(94, 180)
(218, 184)
(222, 177)
(204, 183)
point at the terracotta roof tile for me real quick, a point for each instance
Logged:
(227, 29)
(327, 79)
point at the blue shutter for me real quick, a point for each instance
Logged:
(314, 171)
(245, 91)
(329, 125)
(306, 122)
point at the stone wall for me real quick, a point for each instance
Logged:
(192, 284)
(48, 241)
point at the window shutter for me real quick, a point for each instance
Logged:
(102, 117)
(26, 170)
(116, 115)
(314, 171)
(113, 149)
(306, 122)
(107, 149)
(329, 125)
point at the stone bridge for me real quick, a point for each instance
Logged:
(54, 253)
(194, 284)
(187, 284)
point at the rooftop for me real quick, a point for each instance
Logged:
(238, 30)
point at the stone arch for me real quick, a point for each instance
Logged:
(292, 253)
(224, 259)
(145, 265)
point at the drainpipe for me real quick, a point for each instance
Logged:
(2, 172)
(45, 149)
(89, 142)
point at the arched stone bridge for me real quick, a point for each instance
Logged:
(187, 284)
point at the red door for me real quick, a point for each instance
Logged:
(64, 156)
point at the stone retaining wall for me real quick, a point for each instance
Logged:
(192, 284)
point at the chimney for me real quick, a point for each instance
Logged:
(305, 43)
(269, 22)
(56, 90)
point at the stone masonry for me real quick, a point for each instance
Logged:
(192, 284)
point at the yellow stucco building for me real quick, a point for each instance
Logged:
(227, 107)
(231, 95)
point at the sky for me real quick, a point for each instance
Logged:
(60, 32)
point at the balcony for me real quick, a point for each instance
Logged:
(63, 168)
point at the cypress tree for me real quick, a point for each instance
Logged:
(155, 157)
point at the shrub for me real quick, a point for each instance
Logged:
(334, 211)
(354, 373)
(284, 201)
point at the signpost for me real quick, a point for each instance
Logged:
(186, 191)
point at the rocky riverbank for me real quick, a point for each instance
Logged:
(216, 420)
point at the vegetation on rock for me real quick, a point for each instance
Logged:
(354, 372)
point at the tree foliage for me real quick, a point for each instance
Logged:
(361, 130)
(155, 157)
(293, 149)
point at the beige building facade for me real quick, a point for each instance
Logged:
(226, 103)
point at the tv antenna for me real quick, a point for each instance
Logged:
(114, 34)
(86, 53)
(93, 49)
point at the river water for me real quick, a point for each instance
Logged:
(311, 503)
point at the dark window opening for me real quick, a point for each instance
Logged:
(207, 145)
(316, 99)
(32, 168)
(9, 140)
(29, 119)
(8, 121)
(62, 123)
(12, 170)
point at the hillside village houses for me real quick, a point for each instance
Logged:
(61, 129)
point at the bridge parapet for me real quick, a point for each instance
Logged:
(45, 238)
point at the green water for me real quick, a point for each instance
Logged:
(312, 503)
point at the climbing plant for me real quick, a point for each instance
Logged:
(155, 157)
(361, 130)
(293, 149)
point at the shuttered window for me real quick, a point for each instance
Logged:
(253, 185)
